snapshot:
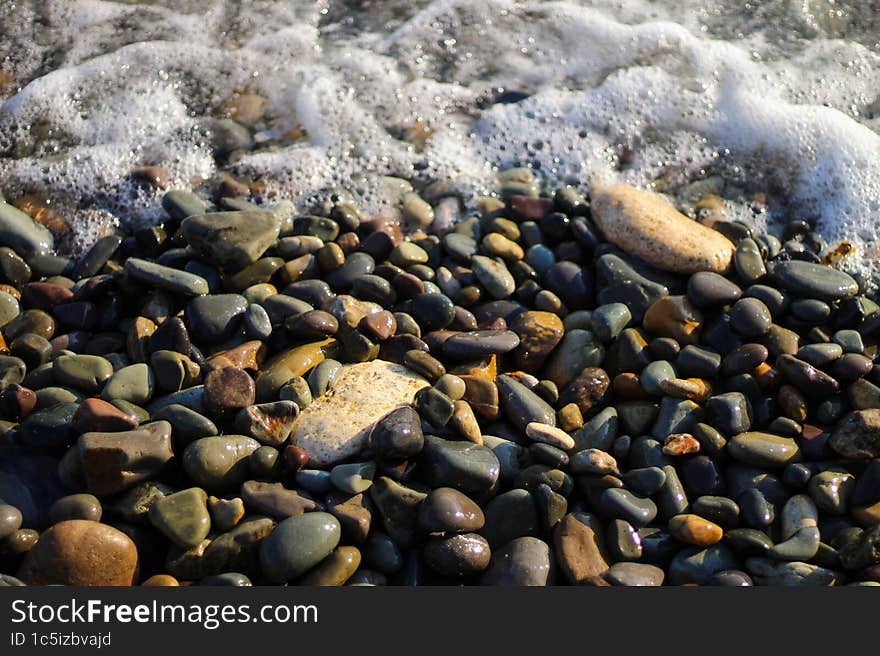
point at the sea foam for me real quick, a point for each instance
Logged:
(779, 99)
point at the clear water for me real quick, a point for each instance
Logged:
(773, 104)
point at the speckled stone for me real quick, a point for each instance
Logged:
(336, 426)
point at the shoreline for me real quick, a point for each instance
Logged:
(245, 396)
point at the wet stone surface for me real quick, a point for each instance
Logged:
(552, 392)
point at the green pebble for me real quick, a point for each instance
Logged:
(297, 544)
(353, 478)
(163, 277)
(182, 517)
(608, 321)
(134, 383)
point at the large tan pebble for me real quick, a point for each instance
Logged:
(337, 425)
(81, 552)
(645, 224)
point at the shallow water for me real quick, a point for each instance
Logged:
(773, 104)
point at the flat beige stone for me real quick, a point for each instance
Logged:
(645, 224)
(337, 425)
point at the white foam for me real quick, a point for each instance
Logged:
(776, 99)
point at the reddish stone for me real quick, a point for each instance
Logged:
(379, 325)
(44, 295)
(17, 402)
(228, 390)
(101, 416)
(528, 208)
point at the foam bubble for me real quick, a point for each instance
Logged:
(780, 99)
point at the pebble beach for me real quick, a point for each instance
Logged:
(577, 389)
(257, 352)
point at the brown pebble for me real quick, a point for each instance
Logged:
(43, 295)
(244, 356)
(695, 389)
(379, 325)
(348, 242)
(158, 176)
(580, 547)
(680, 444)
(482, 395)
(294, 457)
(629, 386)
(161, 581)
(695, 530)
(81, 552)
(354, 514)
(676, 317)
(17, 402)
(138, 339)
(314, 324)
(570, 417)
(465, 423)
(645, 224)
(228, 390)
(99, 415)
(539, 333)
(588, 390)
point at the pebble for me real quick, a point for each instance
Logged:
(225, 513)
(693, 529)
(354, 477)
(219, 462)
(763, 449)
(134, 383)
(163, 277)
(619, 282)
(182, 517)
(460, 555)
(274, 500)
(470, 468)
(268, 423)
(748, 261)
(750, 317)
(697, 565)
(676, 317)
(112, 462)
(433, 311)
(228, 390)
(857, 435)
(10, 520)
(214, 319)
(645, 224)
(76, 506)
(814, 280)
(707, 289)
(298, 544)
(635, 575)
(24, 235)
(580, 548)
(522, 406)
(66, 554)
(336, 569)
(233, 240)
(480, 343)
(362, 394)
(609, 320)
(525, 561)
(446, 509)
(87, 373)
(549, 435)
(98, 415)
(539, 333)
(623, 504)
